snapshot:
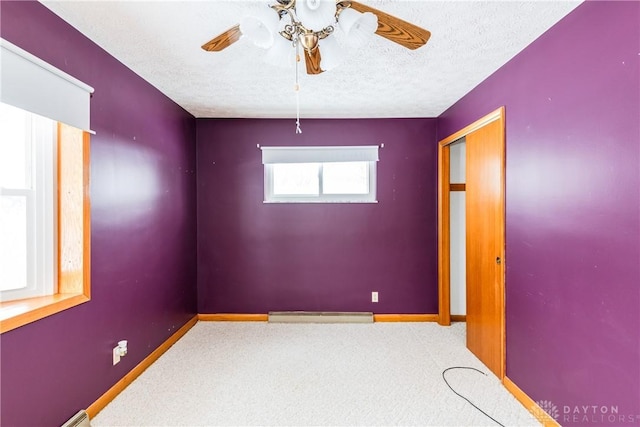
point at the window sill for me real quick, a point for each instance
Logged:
(14, 314)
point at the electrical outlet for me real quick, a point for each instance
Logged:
(116, 355)
(374, 296)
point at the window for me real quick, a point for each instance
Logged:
(44, 217)
(27, 204)
(44, 189)
(320, 174)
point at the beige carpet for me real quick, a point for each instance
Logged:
(315, 374)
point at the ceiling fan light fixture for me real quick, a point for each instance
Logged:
(281, 53)
(358, 27)
(332, 53)
(261, 28)
(288, 25)
(316, 14)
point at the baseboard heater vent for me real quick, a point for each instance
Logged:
(81, 419)
(319, 317)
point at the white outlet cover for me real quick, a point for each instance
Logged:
(116, 355)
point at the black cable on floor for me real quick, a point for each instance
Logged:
(472, 404)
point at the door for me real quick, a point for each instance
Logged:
(485, 244)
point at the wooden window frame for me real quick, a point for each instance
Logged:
(74, 236)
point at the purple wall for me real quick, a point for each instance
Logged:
(573, 209)
(255, 257)
(143, 233)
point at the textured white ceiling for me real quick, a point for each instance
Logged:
(160, 41)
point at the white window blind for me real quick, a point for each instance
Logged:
(364, 153)
(29, 83)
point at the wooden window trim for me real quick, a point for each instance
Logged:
(74, 219)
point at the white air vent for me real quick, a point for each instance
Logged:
(81, 419)
(319, 317)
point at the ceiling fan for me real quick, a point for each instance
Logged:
(310, 23)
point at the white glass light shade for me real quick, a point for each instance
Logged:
(261, 28)
(281, 53)
(358, 27)
(331, 54)
(316, 14)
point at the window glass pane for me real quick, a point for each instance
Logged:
(13, 244)
(14, 145)
(345, 178)
(296, 179)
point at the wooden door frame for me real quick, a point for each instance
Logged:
(444, 226)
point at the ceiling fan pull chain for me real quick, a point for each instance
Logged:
(297, 88)
(298, 130)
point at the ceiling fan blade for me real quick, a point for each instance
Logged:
(312, 60)
(224, 40)
(395, 29)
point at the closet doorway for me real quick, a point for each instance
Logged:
(484, 240)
